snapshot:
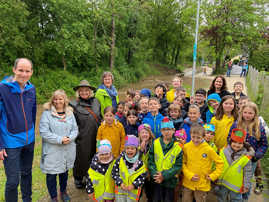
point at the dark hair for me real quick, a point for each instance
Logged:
(18, 60)
(121, 103)
(220, 111)
(131, 92)
(161, 86)
(131, 112)
(224, 85)
(201, 91)
(109, 109)
(246, 145)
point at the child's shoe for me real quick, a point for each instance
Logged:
(259, 188)
(65, 197)
(54, 199)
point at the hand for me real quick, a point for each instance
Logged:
(122, 186)
(65, 140)
(158, 178)
(192, 101)
(143, 146)
(91, 196)
(208, 177)
(3, 154)
(195, 178)
(130, 187)
(245, 190)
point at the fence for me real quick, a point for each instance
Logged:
(259, 86)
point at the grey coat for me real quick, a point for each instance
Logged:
(56, 157)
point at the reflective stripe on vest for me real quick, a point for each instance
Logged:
(103, 185)
(128, 179)
(233, 175)
(165, 162)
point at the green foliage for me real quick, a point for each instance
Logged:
(236, 61)
(260, 58)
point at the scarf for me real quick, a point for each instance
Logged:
(133, 159)
(112, 92)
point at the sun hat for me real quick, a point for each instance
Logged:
(84, 83)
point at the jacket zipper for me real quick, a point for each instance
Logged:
(24, 115)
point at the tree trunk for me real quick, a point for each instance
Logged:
(112, 47)
(177, 54)
(64, 63)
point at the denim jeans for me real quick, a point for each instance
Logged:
(223, 193)
(243, 72)
(228, 74)
(51, 180)
(18, 169)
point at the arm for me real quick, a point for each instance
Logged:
(139, 181)
(101, 100)
(186, 172)
(116, 172)
(34, 111)
(247, 175)
(151, 162)
(44, 129)
(168, 174)
(219, 164)
(263, 145)
(74, 130)
(1, 109)
(89, 186)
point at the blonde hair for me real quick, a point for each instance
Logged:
(174, 107)
(254, 126)
(151, 136)
(197, 129)
(77, 92)
(59, 92)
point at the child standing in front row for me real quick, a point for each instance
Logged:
(249, 121)
(165, 161)
(129, 172)
(198, 157)
(236, 175)
(113, 131)
(225, 116)
(100, 185)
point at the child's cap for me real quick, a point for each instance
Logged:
(103, 146)
(214, 96)
(238, 135)
(167, 123)
(144, 126)
(209, 127)
(181, 134)
(131, 140)
(145, 92)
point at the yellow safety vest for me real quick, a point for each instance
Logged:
(103, 185)
(145, 158)
(165, 162)
(232, 175)
(128, 179)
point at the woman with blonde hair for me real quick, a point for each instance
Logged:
(87, 113)
(58, 129)
(249, 121)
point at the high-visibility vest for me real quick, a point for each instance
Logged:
(165, 162)
(128, 179)
(103, 185)
(233, 175)
(145, 158)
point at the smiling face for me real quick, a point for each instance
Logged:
(238, 88)
(236, 146)
(193, 114)
(228, 106)
(22, 72)
(144, 135)
(105, 157)
(85, 92)
(144, 105)
(167, 133)
(130, 151)
(58, 102)
(108, 81)
(248, 114)
(199, 98)
(176, 83)
(196, 138)
(159, 92)
(154, 106)
(218, 83)
(178, 100)
(209, 135)
(120, 108)
(174, 113)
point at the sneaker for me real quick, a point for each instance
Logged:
(54, 199)
(65, 197)
(258, 189)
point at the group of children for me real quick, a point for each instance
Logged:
(161, 144)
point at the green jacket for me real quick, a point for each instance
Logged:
(105, 100)
(169, 175)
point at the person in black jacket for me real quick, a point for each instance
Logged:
(160, 93)
(88, 116)
(219, 86)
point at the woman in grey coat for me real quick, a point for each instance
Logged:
(87, 113)
(58, 130)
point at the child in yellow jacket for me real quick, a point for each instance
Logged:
(198, 157)
(112, 130)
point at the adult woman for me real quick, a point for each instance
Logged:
(58, 130)
(107, 93)
(87, 113)
(218, 86)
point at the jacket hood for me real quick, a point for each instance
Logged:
(188, 121)
(213, 96)
(15, 87)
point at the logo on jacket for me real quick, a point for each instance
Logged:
(204, 155)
